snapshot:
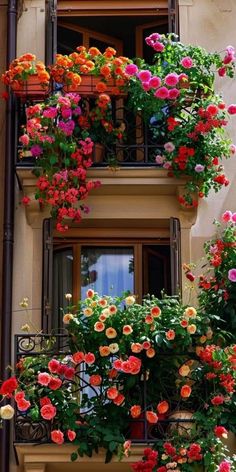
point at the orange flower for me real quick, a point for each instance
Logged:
(95, 380)
(87, 311)
(184, 370)
(99, 326)
(119, 399)
(192, 329)
(185, 391)
(135, 411)
(78, 357)
(127, 329)
(112, 393)
(112, 309)
(102, 302)
(104, 351)
(136, 347)
(163, 407)
(102, 317)
(105, 71)
(109, 52)
(190, 312)
(184, 323)
(170, 335)
(148, 319)
(150, 352)
(151, 417)
(155, 311)
(111, 333)
(203, 339)
(94, 51)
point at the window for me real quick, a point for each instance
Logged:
(111, 263)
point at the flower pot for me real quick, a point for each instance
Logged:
(182, 426)
(89, 83)
(98, 153)
(30, 88)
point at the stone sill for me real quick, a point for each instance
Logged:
(54, 458)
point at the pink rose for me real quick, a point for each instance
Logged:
(225, 466)
(54, 383)
(89, 358)
(24, 139)
(232, 109)
(131, 69)
(162, 93)
(186, 62)
(227, 216)
(155, 82)
(144, 75)
(53, 366)
(173, 93)
(232, 275)
(171, 79)
(71, 435)
(48, 411)
(57, 436)
(23, 404)
(44, 378)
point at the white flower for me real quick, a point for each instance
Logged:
(68, 296)
(114, 347)
(130, 300)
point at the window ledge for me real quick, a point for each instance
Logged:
(52, 458)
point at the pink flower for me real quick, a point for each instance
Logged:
(173, 93)
(50, 112)
(24, 139)
(57, 436)
(222, 71)
(144, 75)
(146, 86)
(234, 217)
(169, 147)
(23, 404)
(162, 93)
(131, 69)
(71, 435)
(217, 400)
(171, 79)
(167, 165)
(48, 411)
(199, 168)
(44, 378)
(53, 366)
(159, 159)
(89, 358)
(232, 275)
(155, 82)
(232, 148)
(227, 216)
(186, 62)
(55, 383)
(232, 109)
(224, 466)
(158, 47)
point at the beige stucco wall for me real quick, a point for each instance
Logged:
(211, 24)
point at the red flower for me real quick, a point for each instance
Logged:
(25, 200)
(119, 399)
(23, 404)
(53, 366)
(44, 378)
(151, 417)
(185, 391)
(217, 400)
(95, 380)
(9, 386)
(45, 401)
(69, 373)
(54, 383)
(78, 357)
(71, 435)
(135, 411)
(220, 432)
(112, 393)
(57, 436)
(163, 407)
(89, 358)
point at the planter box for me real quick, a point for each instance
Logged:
(31, 88)
(88, 86)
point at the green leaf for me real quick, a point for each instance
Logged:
(74, 456)
(112, 446)
(108, 457)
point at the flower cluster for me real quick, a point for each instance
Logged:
(21, 68)
(63, 152)
(176, 96)
(69, 70)
(133, 372)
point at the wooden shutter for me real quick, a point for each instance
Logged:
(173, 16)
(47, 285)
(51, 31)
(175, 256)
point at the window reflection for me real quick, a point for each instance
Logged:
(107, 270)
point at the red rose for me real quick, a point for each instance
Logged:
(54, 383)
(57, 436)
(78, 357)
(53, 366)
(217, 400)
(95, 380)
(69, 373)
(23, 404)
(151, 417)
(45, 401)
(112, 393)
(220, 432)
(19, 396)
(44, 378)
(135, 411)
(119, 399)
(9, 386)
(48, 412)
(185, 391)
(89, 358)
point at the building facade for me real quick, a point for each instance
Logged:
(135, 216)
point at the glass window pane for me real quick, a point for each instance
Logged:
(107, 270)
(62, 282)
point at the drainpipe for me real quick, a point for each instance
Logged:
(8, 230)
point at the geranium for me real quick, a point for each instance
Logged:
(22, 68)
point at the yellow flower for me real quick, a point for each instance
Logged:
(114, 347)
(184, 370)
(191, 328)
(130, 300)
(87, 311)
(7, 412)
(111, 333)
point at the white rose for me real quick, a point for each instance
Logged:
(7, 412)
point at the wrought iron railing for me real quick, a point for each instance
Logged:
(139, 430)
(141, 143)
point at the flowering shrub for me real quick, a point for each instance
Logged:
(218, 281)
(63, 154)
(131, 371)
(69, 69)
(21, 68)
(176, 96)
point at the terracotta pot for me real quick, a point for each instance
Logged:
(30, 88)
(89, 83)
(181, 425)
(98, 153)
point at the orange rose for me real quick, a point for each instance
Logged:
(155, 311)
(150, 352)
(119, 399)
(94, 51)
(170, 335)
(184, 370)
(136, 347)
(185, 391)
(192, 329)
(112, 309)
(111, 333)
(95, 380)
(151, 417)
(127, 329)
(99, 326)
(163, 407)
(148, 319)
(135, 411)
(104, 351)
(190, 312)
(112, 393)
(102, 302)
(101, 87)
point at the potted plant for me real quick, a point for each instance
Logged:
(27, 77)
(62, 151)
(90, 72)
